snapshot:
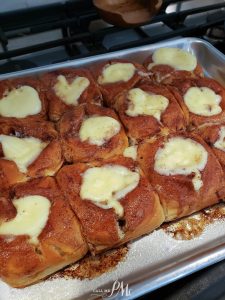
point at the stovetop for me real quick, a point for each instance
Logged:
(207, 284)
(39, 35)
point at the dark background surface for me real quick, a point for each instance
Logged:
(206, 284)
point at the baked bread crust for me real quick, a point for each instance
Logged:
(110, 90)
(60, 243)
(142, 210)
(176, 192)
(56, 106)
(143, 126)
(46, 164)
(166, 74)
(75, 225)
(74, 149)
(9, 175)
(210, 134)
(179, 89)
(11, 84)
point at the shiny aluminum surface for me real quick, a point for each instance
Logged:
(156, 259)
(212, 60)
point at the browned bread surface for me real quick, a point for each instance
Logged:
(56, 106)
(143, 126)
(142, 210)
(60, 242)
(76, 225)
(46, 164)
(211, 134)
(8, 85)
(176, 192)
(180, 87)
(166, 74)
(110, 90)
(76, 150)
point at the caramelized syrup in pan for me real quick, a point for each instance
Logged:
(192, 226)
(93, 266)
(184, 229)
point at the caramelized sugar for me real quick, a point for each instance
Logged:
(184, 229)
(193, 226)
(93, 266)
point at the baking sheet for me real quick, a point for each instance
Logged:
(156, 259)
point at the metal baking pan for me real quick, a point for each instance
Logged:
(153, 260)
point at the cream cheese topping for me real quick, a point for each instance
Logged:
(143, 103)
(23, 151)
(106, 185)
(220, 143)
(20, 103)
(197, 182)
(31, 218)
(117, 72)
(202, 101)
(97, 130)
(70, 92)
(176, 58)
(181, 156)
(131, 152)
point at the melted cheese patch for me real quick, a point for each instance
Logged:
(70, 92)
(202, 101)
(98, 130)
(20, 103)
(143, 103)
(176, 58)
(31, 218)
(197, 182)
(220, 143)
(108, 184)
(131, 152)
(181, 156)
(23, 151)
(117, 72)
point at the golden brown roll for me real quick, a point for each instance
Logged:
(167, 64)
(147, 108)
(39, 233)
(91, 132)
(113, 201)
(115, 76)
(202, 100)
(214, 136)
(67, 88)
(22, 98)
(184, 171)
(27, 150)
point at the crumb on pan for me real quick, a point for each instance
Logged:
(93, 266)
(193, 226)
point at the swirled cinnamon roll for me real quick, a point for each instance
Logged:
(67, 88)
(115, 76)
(112, 199)
(39, 233)
(167, 64)
(90, 132)
(202, 100)
(22, 99)
(148, 108)
(184, 171)
(28, 150)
